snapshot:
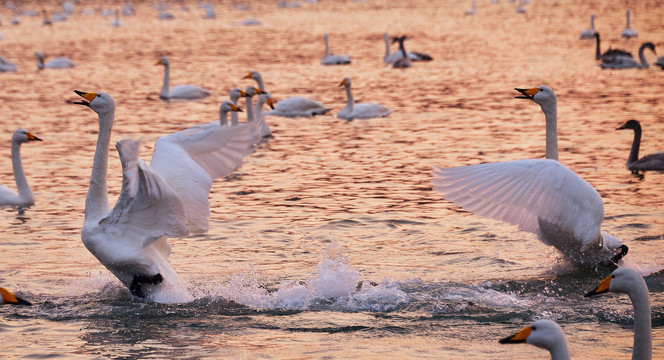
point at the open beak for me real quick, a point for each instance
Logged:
(602, 287)
(32, 137)
(519, 337)
(248, 76)
(86, 95)
(343, 82)
(527, 93)
(235, 108)
(159, 63)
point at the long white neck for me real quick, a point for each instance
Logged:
(259, 80)
(250, 109)
(592, 22)
(258, 110)
(551, 116)
(164, 88)
(24, 191)
(560, 351)
(96, 202)
(327, 47)
(642, 323)
(628, 19)
(349, 95)
(223, 116)
(387, 45)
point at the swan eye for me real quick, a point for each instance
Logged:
(534, 328)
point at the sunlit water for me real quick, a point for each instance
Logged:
(328, 242)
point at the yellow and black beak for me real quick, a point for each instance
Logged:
(248, 76)
(270, 102)
(519, 337)
(235, 108)
(9, 298)
(527, 93)
(343, 82)
(602, 287)
(259, 91)
(159, 62)
(86, 95)
(32, 137)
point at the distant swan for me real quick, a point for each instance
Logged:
(188, 91)
(9, 298)
(627, 281)
(541, 196)
(403, 62)
(57, 63)
(24, 197)
(589, 33)
(610, 54)
(628, 32)
(6, 65)
(168, 198)
(361, 110)
(390, 58)
(628, 62)
(545, 334)
(333, 59)
(472, 10)
(654, 162)
(660, 62)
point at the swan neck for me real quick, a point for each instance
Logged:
(223, 117)
(636, 144)
(403, 49)
(164, 88)
(560, 351)
(234, 118)
(327, 47)
(387, 45)
(250, 109)
(642, 57)
(598, 54)
(96, 202)
(628, 19)
(259, 80)
(24, 191)
(642, 323)
(592, 22)
(550, 114)
(349, 95)
(258, 110)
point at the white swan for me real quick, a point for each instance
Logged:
(545, 334)
(57, 63)
(294, 106)
(6, 65)
(472, 10)
(116, 21)
(589, 33)
(390, 58)
(24, 197)
(652, 162)
(188, 92)
(168, 198)
(628, 62)
(333, 59)
(260, 116)
(228, 107)
(627, 281)
(541, 196)
(362, 110)
(9, 298)
(235, 95)
(628, 32)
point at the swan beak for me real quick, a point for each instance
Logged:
(527, 93)
(235, 108)
(159, 63)
(242, 93)
(602, 288)
(9, 298)
(519, 337)
(88, 96)
(248, 76)
(32, 137)
(622, 127)
(343, 82)
(259, 91)
(271, 103)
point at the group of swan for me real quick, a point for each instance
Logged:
(652, 162)
(621, 59)
(333, 59)
(548, 335)
(590, 33)
(57, 63)
(187, 92)
(9, 298)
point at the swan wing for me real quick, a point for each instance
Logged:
(188, 91)
(619, 62)
(418, 56)
(299, 106)
(369, 110)
(649, 162)
(336, 60)
(523, 192)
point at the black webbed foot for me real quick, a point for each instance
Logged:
(139, 280)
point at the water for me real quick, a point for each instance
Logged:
(328, 242)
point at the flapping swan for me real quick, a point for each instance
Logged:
(24, 198)
(545, 334)
(628, 62)
(188, 91)
(57, 63)
(610, 54)
(168, 198)
(333, 59)
(654, 162)
(293, 106)
(541, 196)
(628, 32)
(627, 281)
(362, 110)
(412, 56)
(589, 33)
(6, 65)
(9, 298)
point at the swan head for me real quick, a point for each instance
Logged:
(345, 82)
(101, 103)
(543, 95)
(545, 334)
(649, 45)
(9, 298)
(236, 94)
(622, 280)
(630, 124)
(253, 75)
(22, 136)
(228, 106)
(251, 91)
(265, 98)
(163, 61)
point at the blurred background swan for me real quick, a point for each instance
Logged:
(589, 33)
(652, 162)
(360, 110)
(628, 62)
(333, 59)
(6, 65)
(390, 58)
(628, 32)
(24, 197)
(57, 63)
(188, 91)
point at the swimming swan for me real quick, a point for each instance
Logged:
(361, 110)
(228, 107)
(403, 62)
(628, 62)
(649, 162)
(628, 32)
(9, 298)
(627, 281)
(333, 59)
(168, 198)
(390, 58)
(57, 63)
(589, 33)
(6, 65)
(541, 196)
(610, 54)
(25, 197)
(545, 334)
(188, 91)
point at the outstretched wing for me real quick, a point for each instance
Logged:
(524, 191)
(191, 159)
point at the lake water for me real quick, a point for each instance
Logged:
(328, 242)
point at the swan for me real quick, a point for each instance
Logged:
(649, 162)
(610, 54)
(294, 106)
(472, 10)
(628, 62)
(589, 33)
(259, 115)
(628, 281)
(188, 91)
(57, 63)
(412, 56)
(9, 298)
(116, 21)
(660, 62)
(333, 59)
(25, 197)
(226, 107)
(362, 110)
(628, 33)
(403, 62)
(168, 198)
(545, 334)
(235, 95)
(6, 65)
(541, 196)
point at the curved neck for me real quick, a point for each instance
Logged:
(592, 22)
(349, 95)
(598, 54)
(96, 202)
(642, 57)
(259, 80)
(250, 109)
(24, 191)
(387, 45)
(642, 323)
(636, 144)
(164, 88)
(551, 116)
(560, 351)
(223, 116)
(402, 48)
(327, 47)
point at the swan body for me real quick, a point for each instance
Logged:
(390, 58)
(6, 65)
(262, 100)
(652, 162)
(24, 197)
(168, 198)
(628, 32)
(610, 54)
(628, 62)
(589, 33)
(403, 62)
(8, 297)
(57, 63)
(660, 62)
(628, 281)
(187, 92)
(333, 59)
(116, 21)
(545, 334)
(541, 196)
(361, 110)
